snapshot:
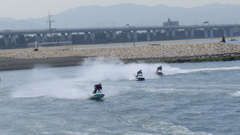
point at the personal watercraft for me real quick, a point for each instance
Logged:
(97, 95)
(159, 72)
(140, 77)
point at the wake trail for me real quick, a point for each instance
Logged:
(207, 69)
(46, 83)
(100, 69)
(51, 83)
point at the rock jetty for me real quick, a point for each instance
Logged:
(140, 52)
(160, 53)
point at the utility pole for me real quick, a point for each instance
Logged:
(50, 24)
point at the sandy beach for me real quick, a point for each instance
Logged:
(59, 56)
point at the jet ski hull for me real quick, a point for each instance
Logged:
(159, 72)
(141, 79)
(97, 96)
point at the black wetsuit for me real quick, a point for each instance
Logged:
(159, 68)
(139, 72)
(97, 87)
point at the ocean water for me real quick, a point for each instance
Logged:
(189, 99)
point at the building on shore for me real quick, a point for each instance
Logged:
(170, 23)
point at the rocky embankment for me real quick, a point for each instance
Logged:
(159, 53)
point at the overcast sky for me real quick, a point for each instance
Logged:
(25, 9)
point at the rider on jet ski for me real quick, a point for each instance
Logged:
(159, 68)
(139, 72)
(97, 87)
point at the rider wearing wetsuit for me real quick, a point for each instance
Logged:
(97, 87)
(159, 68)
(139, 72)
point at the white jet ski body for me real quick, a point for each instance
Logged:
(140, 77)
(159, 72)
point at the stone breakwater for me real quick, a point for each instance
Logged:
(145, 53)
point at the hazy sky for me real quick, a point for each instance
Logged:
(25, 9)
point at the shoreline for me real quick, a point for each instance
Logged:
(22, 64)
(19, 64)
(28, 59)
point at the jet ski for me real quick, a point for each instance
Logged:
(159, 72)
(97, 95)
(140, 77)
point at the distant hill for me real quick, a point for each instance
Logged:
(134, 15)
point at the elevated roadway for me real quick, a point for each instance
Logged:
(41, 34)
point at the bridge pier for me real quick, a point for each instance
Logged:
(92, 35)
(114, 34)
(231, 31)
(167, 33)
(160, 31)
(186, 32)
(6, 39)
(63, 37)
(192, 32)
(108, 34)
(38, 37)
(135, 35)
(13, 39)
(211, 33)
(69, 36)
(148, 35)
(225, 32)
(206, 33)
(173, 32)
(154, 33)
(86, 35)
(129, 35)
(44, 38)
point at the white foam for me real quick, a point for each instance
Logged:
(209, 69)
(169, 128)
(236, 94)
(46, 83)
(115, 70)
(49, 82)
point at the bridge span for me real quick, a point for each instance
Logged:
(66, 33)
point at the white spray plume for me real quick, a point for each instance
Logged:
(51, 83)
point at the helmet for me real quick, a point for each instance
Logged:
(100, 83)
(140, 69)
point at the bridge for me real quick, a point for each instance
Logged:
(111, 32)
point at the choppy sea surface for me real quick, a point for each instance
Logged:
(189, 99)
